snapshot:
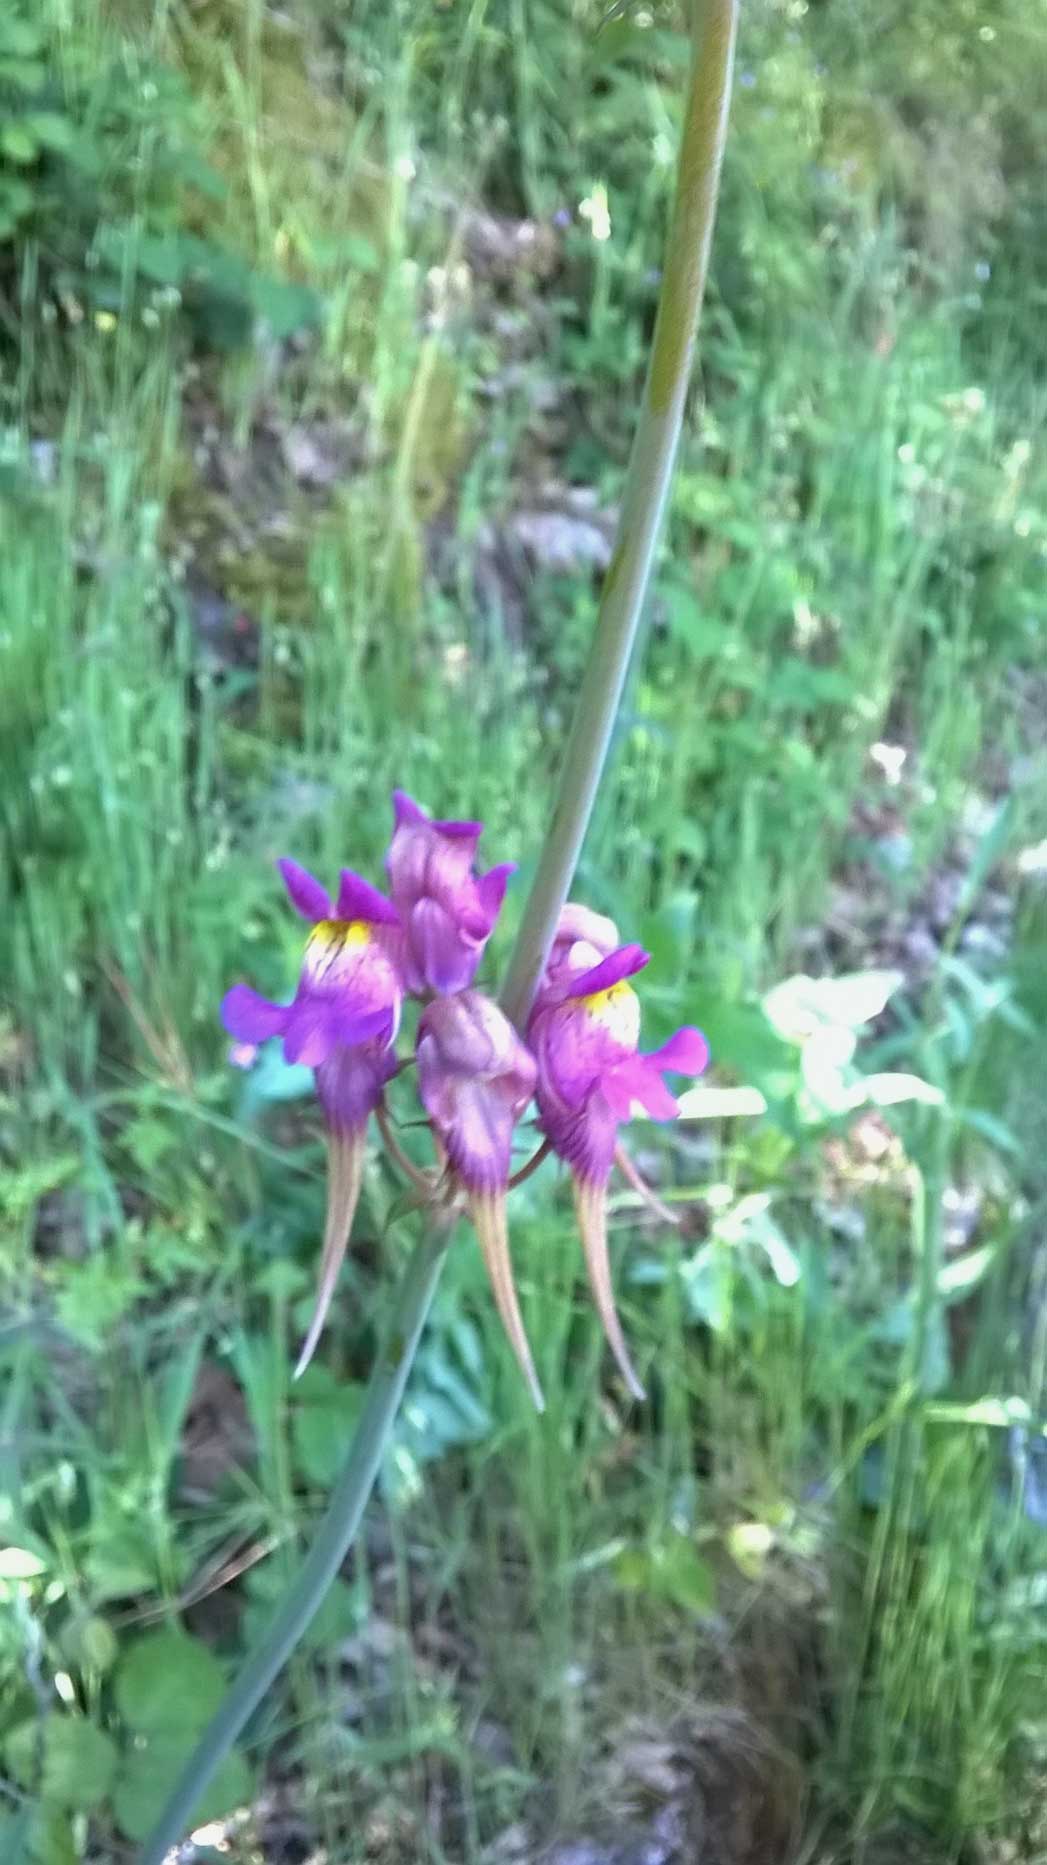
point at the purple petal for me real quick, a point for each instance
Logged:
(618, 1091)
(457, 1036)
(475, 1078)
(350, 1083)
(491, 890)
(360, 1026)
(479, 1137)
(610, 971)
(458, 831)
(580, 924)
(469, 1036)
(584, 1137)
(407, 812)
(638, 1080)
(358, 900)
(250, 1018)
(311, 900)
(686, 1053)
(446, 960)
(311, 1031)
(573, 1051)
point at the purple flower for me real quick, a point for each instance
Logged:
(582, 938)
(341, 1023)
(475, 1077)
(446, 910)
(591, 1077)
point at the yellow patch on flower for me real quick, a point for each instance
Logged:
(329, 939)
(617, 1010)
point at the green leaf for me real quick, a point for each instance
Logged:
(148, 1139)
(671, 1570)
(668, 935)
(285, 308)
(20, 1190)
(349, 252)
(17, 199)
(79, 1761)
(991, 1128)
(15, 1836)
(121, 1561)
(51, 129)
(19, 38)
(797, 683)
(22, 74)
(704, 635)
(97, 1294)
(51, 1840)
(90, 1644)
(19, 143)
(324, 1420)
(161, 260)
(144, 1783)
(169, 1684)
(340, 1615)
(742, 1039)
(988, 853)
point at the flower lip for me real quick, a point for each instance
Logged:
(612, 970)
(249, 1018)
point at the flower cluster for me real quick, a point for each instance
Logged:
(578, 1058)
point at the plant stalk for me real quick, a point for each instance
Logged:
(647, 480)
(713, 28)
(333, 1540)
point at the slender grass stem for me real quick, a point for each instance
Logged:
(713, 24)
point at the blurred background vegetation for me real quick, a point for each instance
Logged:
(321, 332)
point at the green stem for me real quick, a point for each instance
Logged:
(333, 1541)
(713, 27)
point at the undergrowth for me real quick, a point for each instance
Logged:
(330, 326)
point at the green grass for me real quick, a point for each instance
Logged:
(806, 1578)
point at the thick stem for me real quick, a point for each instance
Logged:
(643, 506)
(713, 26)
(333, 1540)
